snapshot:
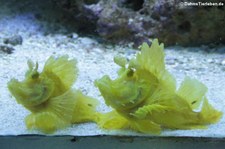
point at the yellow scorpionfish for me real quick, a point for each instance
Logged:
(145, 97)
(50, 97)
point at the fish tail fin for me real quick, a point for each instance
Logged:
(85, 108)
(64, 68)
(209, 114)
(192, 91)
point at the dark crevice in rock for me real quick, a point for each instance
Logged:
(135, 5)
(184, 26)
(89, 2)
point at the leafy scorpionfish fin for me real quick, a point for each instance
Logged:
(151, 59)
(144, 111)
(63, 105)
(65, 69)
(145, 126)
(112, 120)
(192, 91)
(209, 114)
(47, 122)
(84, 109)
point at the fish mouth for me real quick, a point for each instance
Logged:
(18, 90)
(104, 87)
(26, 95)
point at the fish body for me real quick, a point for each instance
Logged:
(50, 97)
(144, 96)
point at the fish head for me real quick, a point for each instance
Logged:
(123, 93)
(33, 90)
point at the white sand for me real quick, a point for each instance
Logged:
(94, 61)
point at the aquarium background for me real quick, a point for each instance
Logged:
(94, 32)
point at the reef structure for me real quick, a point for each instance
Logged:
(173, 22)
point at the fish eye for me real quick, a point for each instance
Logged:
(35, 75)
(130, 73)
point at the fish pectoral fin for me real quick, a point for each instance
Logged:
(142, 112)
(192, 91)
(45, 121)
(112, 120)
(63, 105)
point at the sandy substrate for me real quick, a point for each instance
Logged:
(42, 39)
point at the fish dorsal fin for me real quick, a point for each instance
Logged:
(152, 60)
(65, 69)
(192, 91)
(63, 105)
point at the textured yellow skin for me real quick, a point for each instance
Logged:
(145, 98)
(50, 97)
